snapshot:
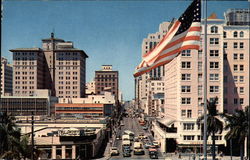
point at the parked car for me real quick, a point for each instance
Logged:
(114, 151)
(147, 145)
(153, 154)
(156, 143)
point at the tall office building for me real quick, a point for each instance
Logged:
(57, 66)
(107, 80)
(143, 93)
(6, 77)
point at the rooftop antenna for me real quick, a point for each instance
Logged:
(53, 32)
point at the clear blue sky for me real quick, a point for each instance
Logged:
(110, 32)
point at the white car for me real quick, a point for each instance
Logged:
(114, 151)
(155, 143)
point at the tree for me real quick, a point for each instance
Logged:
(9, 137)
(238, 126)
(214, 124)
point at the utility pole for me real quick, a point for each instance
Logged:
(32, 136)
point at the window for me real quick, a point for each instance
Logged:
(235, 90)
(188, 126)
(199, 66)
(188, 138)
(214, 29)
(241, 34)
(241, 56)
(235, 78)
(185, 89)
(241, 89)
(235, 67)
(214, 53)
(214, 89)
(183, 113)
(185, 53)
(189, 113)
(235, 45)
(186, 100)
(225, 45)
(214, 65)
(235, 34)
(200, 90)
(235, 56)
(200, 77)
(185, 77)
(235, 101)
(241, 78)
(214, 77)
(241, 45)
(241, 67)
(224, 34)
(185, 64)
(214, 40)
(241, 100)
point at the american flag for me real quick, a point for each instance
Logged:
(184, 34)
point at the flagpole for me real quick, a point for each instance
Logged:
(205, 82)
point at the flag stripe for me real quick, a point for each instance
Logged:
(165, 59)
(187, 33)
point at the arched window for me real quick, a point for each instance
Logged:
(241, 34)
(214, 29)
(235, 34)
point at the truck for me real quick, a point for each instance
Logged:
(125, 137)
(126, 143)
(138, 148)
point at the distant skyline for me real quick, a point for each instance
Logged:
(110, 32)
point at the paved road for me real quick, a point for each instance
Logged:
(133, 125)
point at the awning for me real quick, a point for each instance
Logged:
(166, 121)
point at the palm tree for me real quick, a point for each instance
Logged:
(214, 124)
(9, 137)
(238, 126)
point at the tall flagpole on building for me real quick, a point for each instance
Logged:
(205, 81)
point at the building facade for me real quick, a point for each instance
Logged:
(107, 80)
(90, 88)
(6, 77)
(58, 66)
(227, 79)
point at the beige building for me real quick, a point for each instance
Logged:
(143, 94)
(227, 79)
(6, 77)
(58, 66)
(90, 88)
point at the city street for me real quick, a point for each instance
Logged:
(133, 125)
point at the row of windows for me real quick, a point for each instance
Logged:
(238, 78)
(24, 53)
(24, 73)
(67, 82)
(31, 68)
(68, 53)
(24, 63)
(212, 65)
(68, 67)
(236, 101)
(235, 45)
(237, 56)
(187, 77)
(104, 76)
(191, 137)
(67, 87)
(186, 113)
(67, 92)
(67, 78)
(67, 73)
(214, 29)
(24, 92)
(105, 84)
(238, 67)
(105, 80)
(187, 89)
(24, 77)
(68, 63)
(24, 82)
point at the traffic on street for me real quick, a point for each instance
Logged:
(133, 140)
